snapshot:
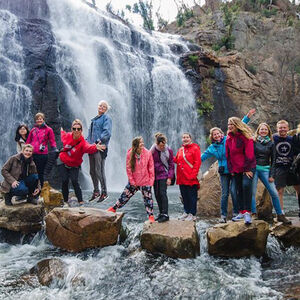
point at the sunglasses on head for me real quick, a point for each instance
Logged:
(76, 129)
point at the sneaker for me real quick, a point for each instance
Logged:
(80, 203)
(111, 209)
(33, 200)
(282, 218)
(190, 217)
(163, 218)
(222, 219)
(102, 197)
(95, 196)
(7, 198)
(151, 219)
(183, 216)
(239, 217)
(247, 218)
(157, 218)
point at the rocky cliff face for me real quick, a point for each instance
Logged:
(262, 69)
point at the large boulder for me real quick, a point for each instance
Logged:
(24, 218)
(77, 229)
(209, 197)
(177, 239)
(52, 198)
(289, 235)
(235, 239)
(50, 270)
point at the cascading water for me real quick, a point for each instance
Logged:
(15, 97)
(101, 58)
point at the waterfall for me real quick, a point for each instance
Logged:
(99, 57)
(15, 97)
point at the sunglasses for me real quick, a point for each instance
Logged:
(76, 129)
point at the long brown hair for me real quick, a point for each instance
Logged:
(256, 134)
(241, 127)
(135, 145)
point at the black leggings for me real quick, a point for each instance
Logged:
(68, 173)
(40, 161)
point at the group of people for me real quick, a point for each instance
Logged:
(243, 158)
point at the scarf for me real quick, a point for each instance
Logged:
(25, 162)
(263, 139)
(163, 155)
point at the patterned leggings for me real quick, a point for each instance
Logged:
(130, 190)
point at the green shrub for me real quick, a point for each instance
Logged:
(204, 107)
(193, 60)
(251, 69)
(183, 15)
(269, 13)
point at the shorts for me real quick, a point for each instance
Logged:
(283, 178)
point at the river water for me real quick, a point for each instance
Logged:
(124, 271)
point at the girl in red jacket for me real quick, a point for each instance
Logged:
(74, 146)
(241, 164)
(188, 160)
(39, 137)
(140, 172)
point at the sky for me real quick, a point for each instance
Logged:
(168, 9)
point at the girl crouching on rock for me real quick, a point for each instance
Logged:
(241, 164)
(140, 172)
(74, 147)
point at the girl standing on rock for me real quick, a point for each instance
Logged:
(22, 133)
(74, 147)
(140, 172)
(188, 160)
(265, 155)
(241, 164)
(164, 173)
(217, 150)
(39, 137)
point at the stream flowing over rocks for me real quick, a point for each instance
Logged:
(61, 57)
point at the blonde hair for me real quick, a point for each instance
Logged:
(256, 134)
(27, 146)
(77, 122)
(241, 127)
(38, 115)
(211, 133)
(282, 122)
(135, 145)
(298, 128)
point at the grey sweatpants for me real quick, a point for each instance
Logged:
(97, 171)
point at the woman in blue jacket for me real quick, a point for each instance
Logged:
(217, 150)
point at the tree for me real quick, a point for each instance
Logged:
(144, 9)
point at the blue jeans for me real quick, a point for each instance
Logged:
(226, 184)
(243, 186)
(270, 186)
(26, 186)
(189, 196)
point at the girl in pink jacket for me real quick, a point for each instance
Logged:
(39, 137)
(140, 172)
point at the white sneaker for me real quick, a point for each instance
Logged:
(183, 216)
(190, 217)
(238, 217)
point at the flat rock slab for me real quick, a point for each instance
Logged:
(289, 235)
(235, 239)
(76, 229)
(24, 218)
(176, 239)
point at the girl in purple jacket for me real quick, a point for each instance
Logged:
(164, 173)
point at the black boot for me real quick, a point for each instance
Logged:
(7, 198)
